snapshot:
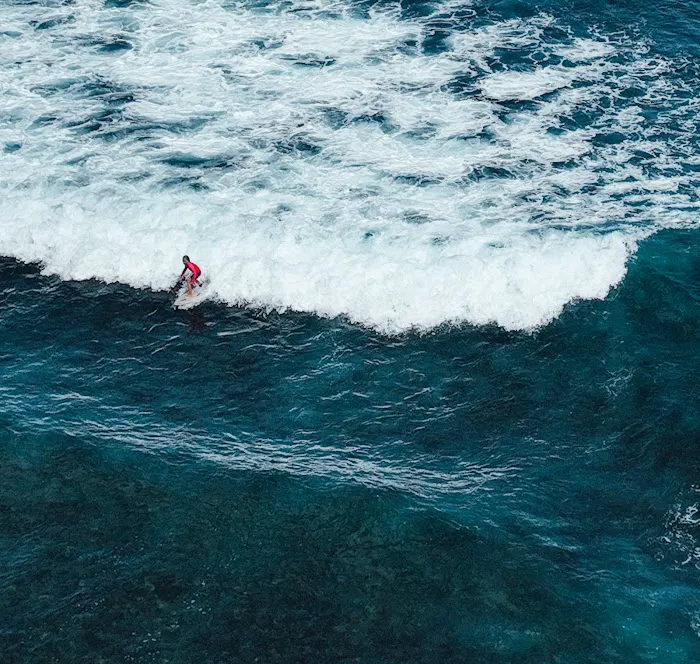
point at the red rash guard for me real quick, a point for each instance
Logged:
(194, 269)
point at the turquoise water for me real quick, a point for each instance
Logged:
(442, 405)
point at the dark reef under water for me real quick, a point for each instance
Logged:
(227, 485)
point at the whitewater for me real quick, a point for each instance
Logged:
(405, 171)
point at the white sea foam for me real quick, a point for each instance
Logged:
(680, 542)
(315, 160)
(514, 85)
(584, 49)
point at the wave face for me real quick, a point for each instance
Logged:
(404, 169)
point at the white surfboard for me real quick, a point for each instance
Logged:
(185, 301)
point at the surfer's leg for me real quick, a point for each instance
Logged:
(195, 282)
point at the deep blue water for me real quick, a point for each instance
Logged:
(218, 484)
(293, 480)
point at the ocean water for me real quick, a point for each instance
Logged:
(442, 402)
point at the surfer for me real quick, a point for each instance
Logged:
(195, 273)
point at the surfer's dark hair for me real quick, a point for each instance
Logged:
(186, 258)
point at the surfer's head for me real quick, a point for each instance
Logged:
(185, 259)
